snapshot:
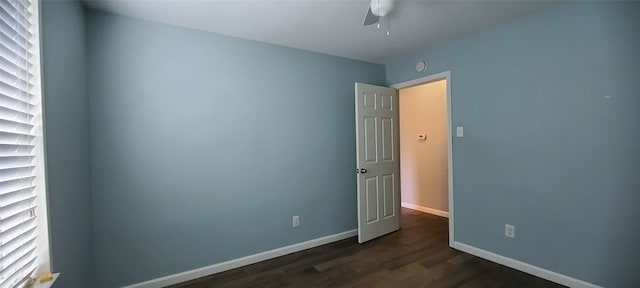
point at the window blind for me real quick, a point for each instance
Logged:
(21, 163)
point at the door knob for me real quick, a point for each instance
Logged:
(363, 170)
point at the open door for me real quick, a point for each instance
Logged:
(378, 164)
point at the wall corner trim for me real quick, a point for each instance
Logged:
(524, 267)
(432, 211)
(243, 261)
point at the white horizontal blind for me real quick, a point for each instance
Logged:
(21, 160)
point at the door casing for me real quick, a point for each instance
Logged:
(428, 79)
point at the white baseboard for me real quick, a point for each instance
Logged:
(425, 209)
(524, 267)
(239, 262)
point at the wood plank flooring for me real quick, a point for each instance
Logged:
(416, 256)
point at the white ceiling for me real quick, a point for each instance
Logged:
(331, 26)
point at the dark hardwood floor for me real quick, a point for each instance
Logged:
(416, 256)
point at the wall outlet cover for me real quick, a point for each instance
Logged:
(510, 231)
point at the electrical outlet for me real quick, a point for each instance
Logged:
(296, 221)
(509, 231)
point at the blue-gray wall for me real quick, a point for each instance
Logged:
(550, 109)
(67, 141)
(204, 146)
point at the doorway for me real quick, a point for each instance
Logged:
(378, 156)
(423, 148)
(426, 150)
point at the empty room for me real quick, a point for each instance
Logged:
(309, 143)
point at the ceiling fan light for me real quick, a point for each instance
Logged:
(381, 7)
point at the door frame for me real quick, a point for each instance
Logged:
(424, 80)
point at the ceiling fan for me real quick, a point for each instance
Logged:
(377, 9)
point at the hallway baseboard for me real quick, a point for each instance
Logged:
(426, 209)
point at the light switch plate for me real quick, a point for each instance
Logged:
(459, 131)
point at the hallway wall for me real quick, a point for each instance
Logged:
(424, 163)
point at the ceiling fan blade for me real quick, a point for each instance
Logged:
(371, 18)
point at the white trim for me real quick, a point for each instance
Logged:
(524, 267)
(427, 79)
(432, 211)
(239, 262)
(47, 205)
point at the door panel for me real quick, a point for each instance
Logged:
(370, 142)
(389, 195)
(377, 150)
(372, 199)
(387, 139)
(369, 100)
(386, 102)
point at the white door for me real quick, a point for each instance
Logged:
(378, 164)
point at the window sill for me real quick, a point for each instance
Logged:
(47, 284)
